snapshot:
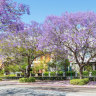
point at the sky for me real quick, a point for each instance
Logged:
(40, 9)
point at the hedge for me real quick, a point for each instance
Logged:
(53, 73)
(60, 73)
(0, 79)
(30, 79)
(46, 73)
(79, 81)
(10, 75)
(85, 73)
(23, 80)
(94, 73)
(69, 73)
(50, 78)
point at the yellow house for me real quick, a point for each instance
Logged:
(40, 63)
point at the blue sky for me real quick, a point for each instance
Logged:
(41, 8)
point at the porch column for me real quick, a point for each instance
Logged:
(49, 74)
(93, 66)
(83, 69)
(42, 74)
(76, 74)
(63, 74)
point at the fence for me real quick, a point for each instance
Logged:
(49, 77)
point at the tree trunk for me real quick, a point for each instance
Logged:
(29, 66)
(81, 73)
(65, 69)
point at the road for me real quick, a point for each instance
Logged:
(13, 88)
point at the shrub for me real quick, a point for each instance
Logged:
(93, 73)
(32, 74)
(2, 75)
(1, 72)
(10, 75)
(22, 74)
(79, 81)
(46, 73)
(86, 80)
(52, 73)
(30, 79)
(60, 73)
(85, 73)
(69, 73)
(50, 78)
(88, 68)
(23, 80)
(0, 79)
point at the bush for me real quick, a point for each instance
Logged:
(60, 73)
(1, 72)
(85, 73)
(23, 80)
(93, 73)
(46, 73)
(86, 80)
(30, 79)
(0, 79)
(22, 74)
(53, 73)
(2, 75)
(79, 81)
(50, 78)
(32, 74)
(69, 73)
(10, 75)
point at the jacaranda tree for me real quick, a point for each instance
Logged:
(10, 13)
(23, 44)
(27, 40)
(73, 34)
